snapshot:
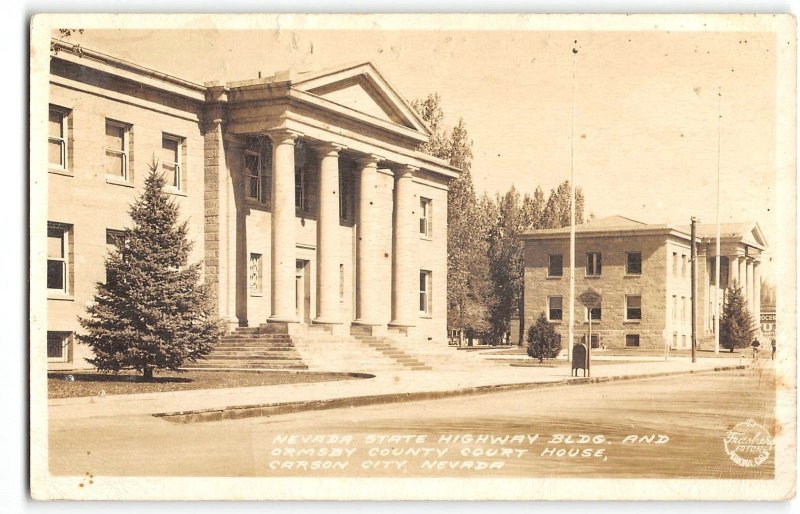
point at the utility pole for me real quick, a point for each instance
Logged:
(571, 330)
(694, 289)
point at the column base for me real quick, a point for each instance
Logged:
(325, 321)
(282, 319)
(365, 323)
(400, 324)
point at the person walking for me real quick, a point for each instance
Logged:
(755, 344)
(773, 348)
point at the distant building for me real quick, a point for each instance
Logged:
(306, 197)
(642, 273)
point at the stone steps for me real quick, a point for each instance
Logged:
(253, 348)
(385, 347)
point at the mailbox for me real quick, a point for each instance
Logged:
(578, 359)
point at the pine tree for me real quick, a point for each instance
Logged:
(736, 327)
(151, 312)
(543, 342)
(468, 284)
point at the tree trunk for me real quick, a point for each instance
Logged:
(148, 374)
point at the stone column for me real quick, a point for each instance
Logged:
(749, 284)
(733, 269)
(367, 249)
(283, 251)
(757, 295)
(328, 252)
(742, 274)
(405, 277)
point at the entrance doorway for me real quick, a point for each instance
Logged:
(303, 291)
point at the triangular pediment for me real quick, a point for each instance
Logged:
(362, 89)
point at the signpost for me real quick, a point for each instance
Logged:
(590, 299)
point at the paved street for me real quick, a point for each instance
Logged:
(678, 424)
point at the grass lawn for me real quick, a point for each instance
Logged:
(88, 383)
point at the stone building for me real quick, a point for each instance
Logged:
(642, 273)
(306, 198)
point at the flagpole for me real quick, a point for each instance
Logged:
(717, 262)
(571, 338)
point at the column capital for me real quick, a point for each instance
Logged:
(283, 136)
(327, 148)
(369, 160)
(406, 171)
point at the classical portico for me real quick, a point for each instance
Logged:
(337, 152)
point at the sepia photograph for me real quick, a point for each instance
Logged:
(412, 257)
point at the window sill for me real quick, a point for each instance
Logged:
(425, 316)
(257, 295)
(64, 297)
(255, 204)
(60, 171)
(555, 321)
(593, 276)
(118, 182)
(631, 322)
(176, 192)
(554, 277)
(594, 322)
(633, 275)
(425, 238)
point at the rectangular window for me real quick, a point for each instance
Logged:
(255, 274)
(347, 196)
(683, 265)
(425, 292)
(683, 340)
(57, 258)
(674, 263)
(674, 308)
(597, 313)
(258, 169)
(426, 218)
(683, 308)
(171, 161)
(58, 346)
(341, 283)
(633, 307)
(117, 149)
(555, 265)
(674, 340)
(554, 308)
(114, 239)
(57, 138)
(594, 264)
(632, 340)
(633, 263)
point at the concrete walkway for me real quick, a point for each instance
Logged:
(394, 386)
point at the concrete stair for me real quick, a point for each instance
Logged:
(253, 348)
(323, 351)
(388, 348)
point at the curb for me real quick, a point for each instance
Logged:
(273, 409)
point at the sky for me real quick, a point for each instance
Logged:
(646, 104)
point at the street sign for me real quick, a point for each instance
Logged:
(590, 298)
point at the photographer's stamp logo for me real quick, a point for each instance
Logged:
(748, 444)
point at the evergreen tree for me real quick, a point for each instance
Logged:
(468, 282)
(543, 342)
(556, 212)
(151, 312)
(736, 326)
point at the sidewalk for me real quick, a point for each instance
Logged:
(390, 387)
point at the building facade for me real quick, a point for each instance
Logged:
(305, 196)
(643, 276)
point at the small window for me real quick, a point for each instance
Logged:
(57, 258)
(683, 308)
(58, 346)
(57, 138)
(596, 312)
(674, 308)
(683, 265)
(633, 263)
(171, 161)
(632, 340)
(674, 263)
(554, 308)
(426, 218)
(633, 307)
(555, 265)
(594, 264)
(341, 283)
(117, 146)
(114, 240)
(425, 292)
(258, 169)
(255, 274)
